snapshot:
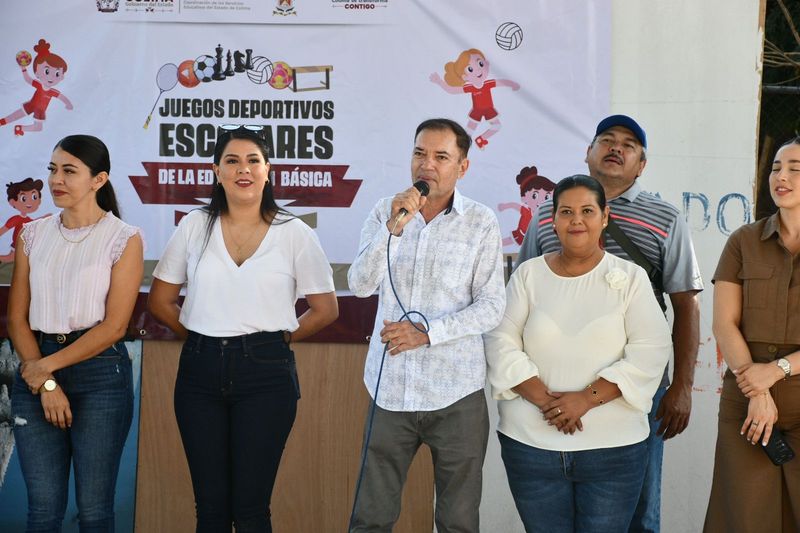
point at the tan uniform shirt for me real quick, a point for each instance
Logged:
(770, 277)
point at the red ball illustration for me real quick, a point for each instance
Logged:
(186, 75)
(24, 58)
(281, 75)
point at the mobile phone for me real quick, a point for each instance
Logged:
(777, 449)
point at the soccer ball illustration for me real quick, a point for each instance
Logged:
(281, 75)
(204, 67)
(261, 71)
(23, 58)
(186, 75)
(508, 36)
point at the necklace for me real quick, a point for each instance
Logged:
(240, 246)
(91, 229)
(563, 265)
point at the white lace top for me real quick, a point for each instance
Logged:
(70, 270)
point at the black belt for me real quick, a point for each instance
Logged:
(60, 338)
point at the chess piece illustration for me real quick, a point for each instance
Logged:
(218, 74)
(229, 65)
(238, 61)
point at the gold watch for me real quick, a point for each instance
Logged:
(49, 385)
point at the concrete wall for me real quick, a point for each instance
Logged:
(689, 72)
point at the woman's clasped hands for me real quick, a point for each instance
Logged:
(565, 409)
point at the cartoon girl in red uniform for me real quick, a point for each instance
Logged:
(533, 190)
(25, 196)
(470, 74)
(49, 70)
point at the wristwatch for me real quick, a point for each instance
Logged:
(49, 385)
(784, 365)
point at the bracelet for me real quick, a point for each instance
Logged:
(590, 386)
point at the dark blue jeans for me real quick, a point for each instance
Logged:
(100, 393)
(235, 402)
(647, 518)
(585, 491)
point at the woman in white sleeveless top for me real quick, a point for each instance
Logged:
(75, 282)
(245, 262)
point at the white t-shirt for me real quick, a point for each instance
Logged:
(570, 331)
(225, 300)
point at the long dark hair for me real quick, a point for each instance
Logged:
(218, 205)
(94, 154)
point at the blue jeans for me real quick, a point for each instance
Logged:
(235, 403)
(100, 393)
(647, 518)
(585, 491)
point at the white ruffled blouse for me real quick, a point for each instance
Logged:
(70, 270)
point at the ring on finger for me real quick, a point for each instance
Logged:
(558, 410)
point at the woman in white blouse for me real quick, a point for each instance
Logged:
(244, 262)
(76, 278)
(574, 366)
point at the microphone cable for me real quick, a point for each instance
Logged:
(424, 329)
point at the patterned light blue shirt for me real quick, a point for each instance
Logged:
(450, 270)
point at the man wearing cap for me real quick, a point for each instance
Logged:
(655, 236)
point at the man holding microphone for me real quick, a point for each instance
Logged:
(445, 256)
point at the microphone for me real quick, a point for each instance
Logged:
(423, 189)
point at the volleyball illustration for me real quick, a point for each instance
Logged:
(24, 58)
(186, 75)
(261, 71)
(508, 36)
(281, 75)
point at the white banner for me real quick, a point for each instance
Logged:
(340, 86)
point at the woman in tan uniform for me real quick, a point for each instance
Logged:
(757, 327)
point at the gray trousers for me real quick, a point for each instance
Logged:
(456, 435)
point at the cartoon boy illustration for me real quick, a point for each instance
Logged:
(25, 196)
(533, 190)
(470, 74)
(49, 70)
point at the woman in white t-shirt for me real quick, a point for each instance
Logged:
(574, 366)
(244, 262)
(76, 278)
